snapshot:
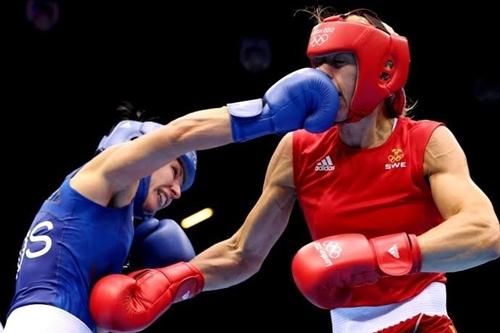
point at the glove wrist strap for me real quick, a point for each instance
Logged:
(245, 109)
(397, 254)
(189, 280)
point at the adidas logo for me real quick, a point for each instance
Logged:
(325, 164)
(393, 251)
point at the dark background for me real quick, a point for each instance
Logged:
(61, 87)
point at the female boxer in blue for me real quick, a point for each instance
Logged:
(85, 229)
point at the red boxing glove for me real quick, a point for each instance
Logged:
(326, 269)
(130, 303)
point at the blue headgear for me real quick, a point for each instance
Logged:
(128, 130)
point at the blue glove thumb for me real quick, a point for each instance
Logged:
(306, 98)
(325, 102)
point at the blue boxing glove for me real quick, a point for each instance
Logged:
(306, 98)
(159, 243)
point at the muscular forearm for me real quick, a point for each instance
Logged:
(463, 241)
(222, 265)
(202, 129)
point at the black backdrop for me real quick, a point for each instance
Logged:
(61, 86)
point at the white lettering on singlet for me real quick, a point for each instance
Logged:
(31, 237)
(395, 165)
(42, 238)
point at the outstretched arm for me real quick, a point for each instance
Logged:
(306, 98)
(236, 259)
(470, 234)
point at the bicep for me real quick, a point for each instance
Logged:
(454, 193)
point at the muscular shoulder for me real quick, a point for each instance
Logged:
(443, 153)
(95, 182)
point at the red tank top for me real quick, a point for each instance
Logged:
(375, 192)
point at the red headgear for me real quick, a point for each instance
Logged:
(383, 61)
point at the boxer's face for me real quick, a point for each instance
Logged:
(165, 186)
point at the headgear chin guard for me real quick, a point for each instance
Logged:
(128, 130)
(383, 61)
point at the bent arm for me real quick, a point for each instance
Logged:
(470, 234)
(236, 259)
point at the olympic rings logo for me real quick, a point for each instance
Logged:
(318, 39)
(396, 155)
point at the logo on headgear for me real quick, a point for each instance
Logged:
(319, 39)
(320, 35)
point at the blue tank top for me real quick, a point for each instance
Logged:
(71, 243)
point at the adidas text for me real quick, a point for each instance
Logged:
(324, 168)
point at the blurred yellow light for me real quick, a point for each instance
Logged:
(197, 217)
